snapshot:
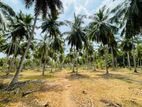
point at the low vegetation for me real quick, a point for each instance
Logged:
(121, 88)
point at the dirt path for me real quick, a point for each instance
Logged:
(67, 97)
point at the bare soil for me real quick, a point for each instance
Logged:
(87, 89)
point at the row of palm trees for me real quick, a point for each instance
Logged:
(19, 33)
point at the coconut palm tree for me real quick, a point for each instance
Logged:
(41, 6)
(19, 31)
(102, 31)
(20, 28)
(50, 27)
(76, 36)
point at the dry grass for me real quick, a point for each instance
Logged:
(121, 88)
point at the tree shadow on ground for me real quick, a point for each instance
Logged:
(74, 76)
(37, 77)
(6, 76)
(119, 77)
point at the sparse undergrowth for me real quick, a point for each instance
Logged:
(86, 89)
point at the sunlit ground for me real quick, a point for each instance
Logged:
(121, 88)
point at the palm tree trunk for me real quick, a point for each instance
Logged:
(138, 62)
(128, 59)
(15, 78)
(73, 69)
(116, 62)
(135, 64)
(106, 63)
(94, 64)
(113, 62)
(76, 59)
(8, 60)
(123, 61)
(51, 70)
(11, 65)
(15, 63)
(40, 63)
(76, 69)
(43, 70)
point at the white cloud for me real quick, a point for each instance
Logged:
(15, 1)
(85, 7)
(111, 3)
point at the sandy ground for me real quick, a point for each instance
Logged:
(88, 89)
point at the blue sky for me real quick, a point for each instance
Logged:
(85, 7)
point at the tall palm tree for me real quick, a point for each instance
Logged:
(41, 6)
(102, 31)
(50, 27)
(76, 36)
(18, 32)
(20, 28)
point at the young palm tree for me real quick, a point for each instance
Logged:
(101, 30)
(76, 36)
(41, 6)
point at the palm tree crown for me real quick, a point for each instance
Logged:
(101, 29)
(76, 37)
(45, 6)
